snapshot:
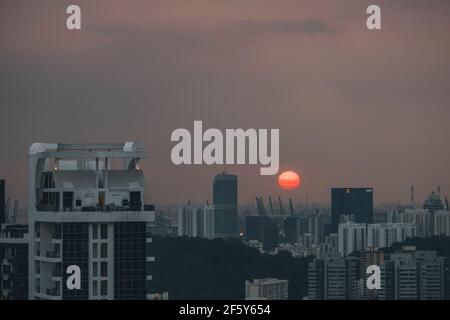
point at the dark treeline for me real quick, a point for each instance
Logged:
(440, 244)
(195, 268)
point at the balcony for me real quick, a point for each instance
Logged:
(56, 273)
(53, 291)
(53, 254)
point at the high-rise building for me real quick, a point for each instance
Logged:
(382, 235)
(196, 221)
(413, 275)
(423, 220)
(225, 198)
(333, 278)
(433, 202)
(441, 223)
(2, 202)
(267, 289)
(86, 209)
(357, 202)
(352, 237)
(254, 227)
(270, 236)
(316, 226)
(291, 229)
(368, 258)
(14, 262)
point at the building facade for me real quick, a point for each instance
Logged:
(352, 237)
(356, 202)
(86, 209)
(14, 262)
(225, 200)
(267, 289)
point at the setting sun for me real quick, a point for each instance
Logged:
(289, 180)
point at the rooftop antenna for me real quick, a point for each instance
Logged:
(439, 191)
(446, 203)
(412, 201)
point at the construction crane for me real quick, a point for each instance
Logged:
(281, 206)
(270, 205)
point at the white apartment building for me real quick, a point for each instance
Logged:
(86, 208)
(382, 235)
(196, 221)
(351, 237)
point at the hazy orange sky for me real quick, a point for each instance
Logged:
(354, 107)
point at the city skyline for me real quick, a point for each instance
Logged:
(371, 111)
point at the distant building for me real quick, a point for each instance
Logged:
(422, 218)
(291, 229)
(14, 262)
(351, 201)
(368, 258)
(316, 226)
(270, 236)
(196, 221)
(412, 275)
(2, 202)
(441, 223)
(267, 289)
(254, 227)
(333, 278)
(352, 237)
(433, 202)
(382, 235)
(225, 199)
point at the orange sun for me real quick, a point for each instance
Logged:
(289, 180)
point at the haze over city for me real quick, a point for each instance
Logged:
(354, 108)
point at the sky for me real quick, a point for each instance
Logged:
(354, 107)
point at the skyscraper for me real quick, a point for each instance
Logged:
(86, 209)
(225, 198)
(357, 202)
(254, 227)
(2, 202)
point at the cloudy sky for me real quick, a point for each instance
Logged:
(354, 107)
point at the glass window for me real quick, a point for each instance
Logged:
(104, 231)
(104, 267)
(95, 269)
(95, 288)
(104, 250)
(104, 287)
(95, 231)
(95, 250)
